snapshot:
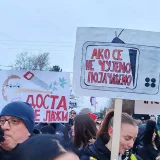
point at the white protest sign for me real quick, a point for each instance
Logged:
(124, 65)
(147, 107)
(47, 92)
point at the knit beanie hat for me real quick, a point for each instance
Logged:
(21, 110)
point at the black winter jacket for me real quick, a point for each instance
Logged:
(9, 155)
(99, 151)
(148, 152)
(13, 154)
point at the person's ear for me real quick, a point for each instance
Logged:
(110, 131)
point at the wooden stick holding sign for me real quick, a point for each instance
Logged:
(116, 129)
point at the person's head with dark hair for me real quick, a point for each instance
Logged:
(153, 118)
(83, 130)
(73, 113)
(48, 130)
(151, 134)
(43, 147)
(129, 131)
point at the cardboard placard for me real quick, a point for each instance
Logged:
(123, 65)
(47, 92)
(147, 107)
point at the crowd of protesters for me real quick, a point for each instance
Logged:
(84, 137)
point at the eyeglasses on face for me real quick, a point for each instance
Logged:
(11, 121)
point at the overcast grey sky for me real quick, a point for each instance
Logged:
(50, 25)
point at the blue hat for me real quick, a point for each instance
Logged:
(20, 110)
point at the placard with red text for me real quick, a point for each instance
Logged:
(47, 92)
(117, 63)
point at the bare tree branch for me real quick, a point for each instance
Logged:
(31, 62)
